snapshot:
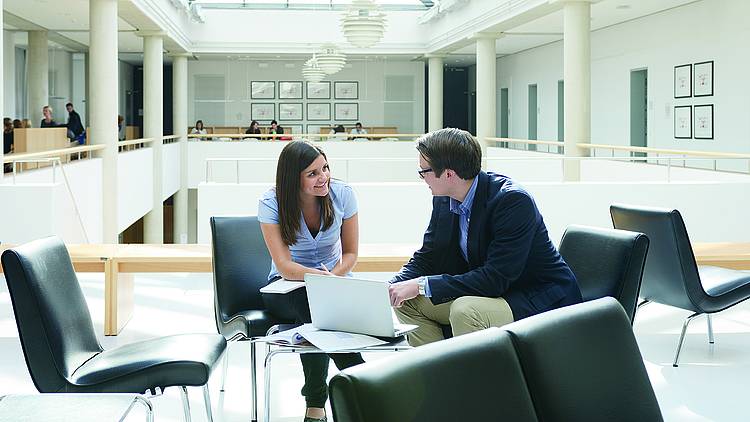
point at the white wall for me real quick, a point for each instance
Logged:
(700, 31)
(170, 169)
(379, 104)
(60, 83)
(9, 74)
(78, 92)
(134, 186)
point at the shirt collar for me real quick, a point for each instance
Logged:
(464, 207)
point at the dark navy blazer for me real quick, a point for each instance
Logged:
(510, 253)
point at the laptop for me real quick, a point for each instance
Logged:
(352, 305)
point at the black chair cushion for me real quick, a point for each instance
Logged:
(184, 359)
(724, 287)
(475, 377)
(582, 363)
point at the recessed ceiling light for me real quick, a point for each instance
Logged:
(623, 7)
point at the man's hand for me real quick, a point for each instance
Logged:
(405, 290)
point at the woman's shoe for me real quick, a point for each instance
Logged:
(309, 419)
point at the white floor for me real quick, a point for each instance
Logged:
(710, 384)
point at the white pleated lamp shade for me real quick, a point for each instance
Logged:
(363, 24)
(330, 59)
(311, 72)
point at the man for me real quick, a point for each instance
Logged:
(75, 127)
(275, 129)
(486, 258)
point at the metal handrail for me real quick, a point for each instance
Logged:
(9, 158)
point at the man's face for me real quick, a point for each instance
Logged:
(359, 127)
(69, 108)
(436, 184)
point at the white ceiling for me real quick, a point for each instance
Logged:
(67, 21)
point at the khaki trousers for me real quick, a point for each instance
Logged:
(465, 315)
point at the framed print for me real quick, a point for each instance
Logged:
(344, 90)
(346, 111)
(683, 128)
(262, 111)
(703, 84)
(293, 129)
(263, 90)
(290, 111)
(704, 121)
(683, 76)
(290, 90)
(319, 90)
(318, 111)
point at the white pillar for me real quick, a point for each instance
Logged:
(486, 95)
(2, 88)
(153, 112)
(103, 110)
(577, 77)
(9, 75)
(180, 123)
(38, 75)
(435, 93)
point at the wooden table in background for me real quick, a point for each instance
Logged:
(119, 262)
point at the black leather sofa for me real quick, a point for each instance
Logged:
(578, 363)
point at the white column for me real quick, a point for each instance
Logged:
(2, 88)
(435, 93)
(103, 105)
(153, 112)
(9, 75)
(180, 123)
(577, 77)
(486, 95)
(38, 75)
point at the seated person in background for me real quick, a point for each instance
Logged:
(7, 141)
(199, 129)
(358, 130)
(47, 120)
(310, 226)
(275, 129)
(120, 127)
(26, 124)
(334, 131)
(17, 124)
(76, 132)
(486, 258)
(254, 129)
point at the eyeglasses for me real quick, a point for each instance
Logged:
(422, 172)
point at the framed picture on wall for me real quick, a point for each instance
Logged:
(293, 129)
(683, 77)
(290, 90)
(290, 111)
(263, 90)
(683, 128)
(704, 79)
(318, 111)
(346, 111)
(704, 121)
(314, 130)
(319, 90)
(346, 90)
(262, 111)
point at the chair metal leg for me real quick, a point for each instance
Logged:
(224, 369)
(710, 329)
(267, 392)
(682, 337)
(253, 382)
(207, 401)
(185, 403)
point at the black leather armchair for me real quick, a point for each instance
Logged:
(241, 265)
(672, 276)
(606, 262)
(61, 350)
(556, 366)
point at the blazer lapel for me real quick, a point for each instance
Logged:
(476, 222)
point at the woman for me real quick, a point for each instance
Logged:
(47, 121)
(336, 130)
(198, 129)
(253, 129)
(310, 225)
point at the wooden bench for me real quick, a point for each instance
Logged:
(119, 262)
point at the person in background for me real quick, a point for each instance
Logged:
(198, 129)
(47, 121)
(275, 129)
(7, 141)
(358, 130)
(310, 226)
(254, 129)
(335, 131)
(120, 127)
(26, 124)
(17, 124)
(76, 132)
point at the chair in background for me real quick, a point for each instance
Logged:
(671, 276)
(606, 262)
(62, 352)
(594, 373)
(241, 265)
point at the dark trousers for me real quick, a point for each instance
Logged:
(294, 306)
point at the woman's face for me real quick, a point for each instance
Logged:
(199, 125)
(255, 125)
(47, 114)
(314, 179)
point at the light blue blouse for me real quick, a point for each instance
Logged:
(325, 248)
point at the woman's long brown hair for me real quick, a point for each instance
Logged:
(294, 158)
